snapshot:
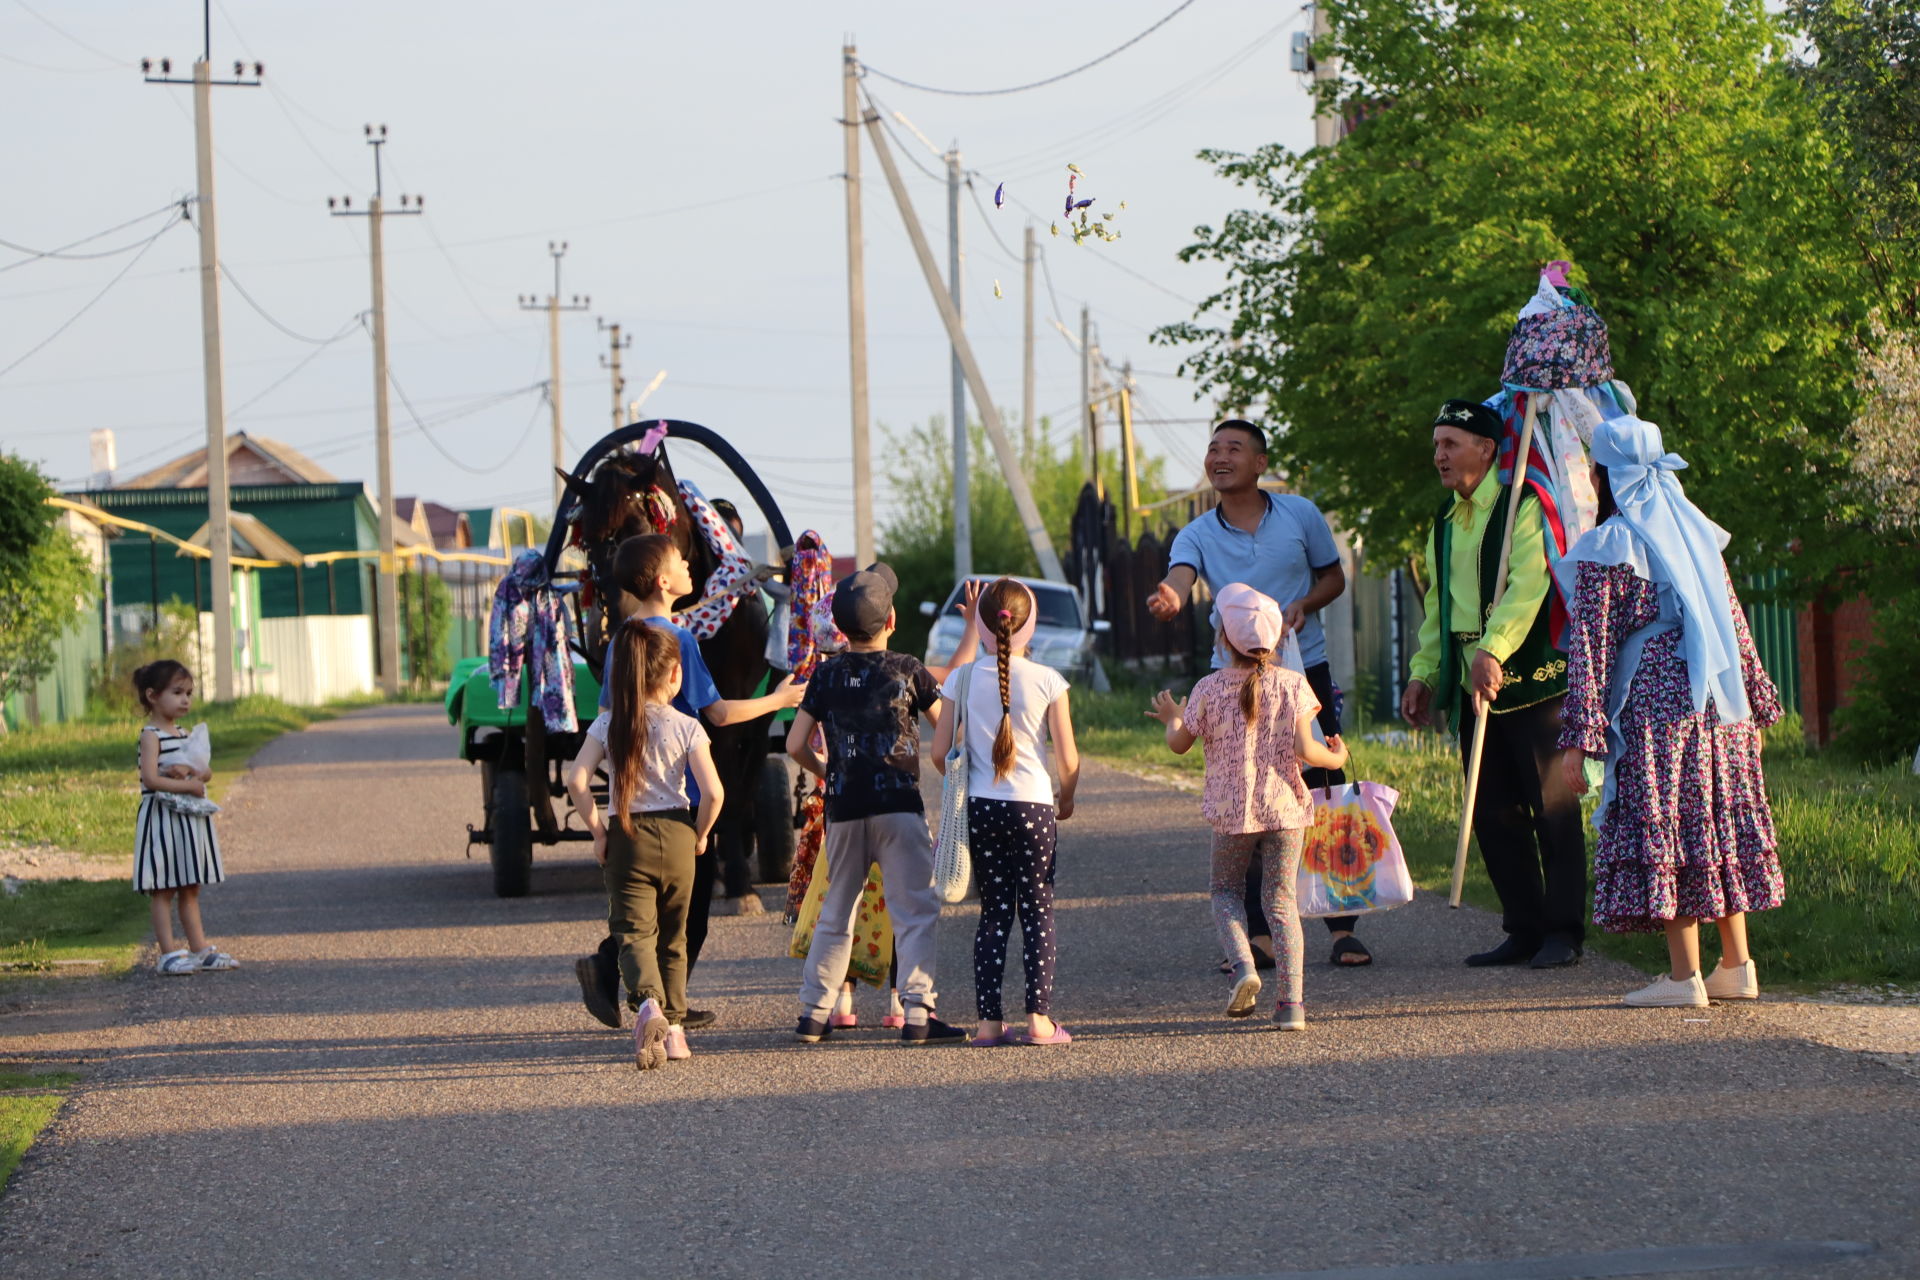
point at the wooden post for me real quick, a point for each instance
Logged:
(1499, 590)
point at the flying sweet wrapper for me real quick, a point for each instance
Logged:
(1080, 204)
(1074, 168)
(1000, 195)
(996, 290)
(1053, 228)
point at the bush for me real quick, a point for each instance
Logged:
(176, 635)
(1881, 721)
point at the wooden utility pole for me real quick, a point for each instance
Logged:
(1326, 125)
(386, 598)
(553, 307)
(962, 486)
(219, 529)
(1132, 494)
(1026, 356)
(1010, 465)
(863, 541)
(615, 345)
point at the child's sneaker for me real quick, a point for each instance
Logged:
(1246, 993)
(811, 1030)
(211, 957)
(1665, 993)
(1288, 1016)
(932, 1031)
(175, 963)
(1742, 982)
(649, 1036)
(676, 1043)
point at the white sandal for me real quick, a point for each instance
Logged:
(214, 958)
(175, 963)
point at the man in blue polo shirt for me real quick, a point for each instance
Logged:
(1278, 544)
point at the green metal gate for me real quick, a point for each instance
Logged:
(1776, 633)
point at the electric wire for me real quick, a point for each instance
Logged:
(71, 38)
(358, 322)
(444, 452)
(34, 255)
(1022, 88)
(117, 278)
(266, 315)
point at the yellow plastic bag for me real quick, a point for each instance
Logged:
(872, 956)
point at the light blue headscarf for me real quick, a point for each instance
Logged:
(1681, 549)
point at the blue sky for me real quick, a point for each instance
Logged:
(685, 152)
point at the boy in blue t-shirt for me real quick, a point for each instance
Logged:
(652, 569)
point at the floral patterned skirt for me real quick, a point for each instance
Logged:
(1690, 833)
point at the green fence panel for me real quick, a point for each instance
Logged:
(1776, 632)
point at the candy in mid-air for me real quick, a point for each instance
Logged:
(1080, 204)
(1074, 168)
(1053, 228)
(1000, 195)
(996, 290)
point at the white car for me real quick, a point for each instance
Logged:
(1062, 639)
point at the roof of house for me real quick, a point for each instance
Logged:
(251, 459)
(249, 536)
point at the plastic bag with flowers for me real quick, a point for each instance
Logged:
(1350, 861)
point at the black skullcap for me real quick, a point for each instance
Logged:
(1470, 416)
(863, 599)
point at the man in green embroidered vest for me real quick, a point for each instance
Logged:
(1525, 817)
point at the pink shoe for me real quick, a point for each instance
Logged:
(1059, 1036)
(649, 1036)
(1008, 1035)
(894, 1021)
(676, 1045)
(844, 1021)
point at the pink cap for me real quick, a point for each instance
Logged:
(1250, 620)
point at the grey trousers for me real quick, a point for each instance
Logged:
(901, 845)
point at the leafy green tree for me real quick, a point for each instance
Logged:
(917, 541)
(1663, 146)
(45, 577)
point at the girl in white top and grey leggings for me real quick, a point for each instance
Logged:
(1012, 808)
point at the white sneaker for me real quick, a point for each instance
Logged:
(1742, 982)
(1665, 993)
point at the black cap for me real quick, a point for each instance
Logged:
(1470, 416)
(862, 600)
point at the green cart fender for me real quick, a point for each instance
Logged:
(471, 703)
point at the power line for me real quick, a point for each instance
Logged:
(309, 358)
(172, 206)
(118, 277)
(1022, 88)
(454, 458)
(264, 314)
(71, 38)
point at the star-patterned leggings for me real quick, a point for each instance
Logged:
(1279, 854)
(1012, 846)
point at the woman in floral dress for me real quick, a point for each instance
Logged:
(1665, 689)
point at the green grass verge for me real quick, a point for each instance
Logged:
(104, 921)
(1849, 843)
(28, 1100)
(75, 786)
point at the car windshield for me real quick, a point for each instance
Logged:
(1057, 608)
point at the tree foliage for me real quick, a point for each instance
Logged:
(1663, 146)
(917, 540)
(45, 576)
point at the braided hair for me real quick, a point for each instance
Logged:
(1006, 605)
(650, 652)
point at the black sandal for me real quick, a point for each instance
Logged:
(1350, 946)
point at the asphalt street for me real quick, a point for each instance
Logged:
(400, 1080)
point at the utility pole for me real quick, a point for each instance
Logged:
(1026, 358)
(962, 487)
(863, 543)
(219, 529)
(1090, 414)
(615, 345)
(1132, 494)
(386, 599)
(553, 307)
(1010, 466)
(1326, 125)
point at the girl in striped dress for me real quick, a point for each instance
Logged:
(175, 851)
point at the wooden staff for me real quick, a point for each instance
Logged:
(1499, 590)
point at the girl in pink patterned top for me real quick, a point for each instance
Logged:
(1256, 720)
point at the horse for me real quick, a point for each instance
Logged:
(630, 493)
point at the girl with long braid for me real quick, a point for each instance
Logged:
(1256, 719)
(1012, 705)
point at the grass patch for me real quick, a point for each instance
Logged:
(1849, 842)
(75, 786)
(28, 1100)
(54, 920)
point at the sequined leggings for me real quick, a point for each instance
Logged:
(1012, 847)
(1279, 854)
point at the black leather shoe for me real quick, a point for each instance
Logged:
(698, 1018)
(1555, 953)
(1512, 951)
(593, 994)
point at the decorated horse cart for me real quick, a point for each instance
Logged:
(522, 711)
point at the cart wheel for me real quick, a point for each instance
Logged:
(773, 821)
(512, 848)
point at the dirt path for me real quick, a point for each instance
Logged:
(400, 1079)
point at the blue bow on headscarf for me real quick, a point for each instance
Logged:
(1683, 550)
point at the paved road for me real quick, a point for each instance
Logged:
(400, 1079)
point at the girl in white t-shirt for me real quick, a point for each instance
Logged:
(1011, 806)
(648, 849)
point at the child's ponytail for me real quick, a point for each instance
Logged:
(1250, 691)
(1008, 605)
